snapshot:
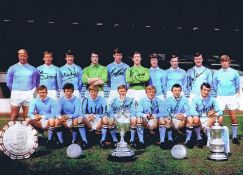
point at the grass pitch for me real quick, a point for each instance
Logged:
(151, 160)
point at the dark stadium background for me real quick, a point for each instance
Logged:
(166, 27)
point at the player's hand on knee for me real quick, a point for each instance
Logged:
(211, 113)
(180, 116)
(64, 118)
(37, 117)
(91, 118)
(27, 120)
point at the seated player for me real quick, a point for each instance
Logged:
(122, 103)
(179, 110)
(42, 114)
(150, 110)
(69, 111)
(94, 113)
(204, 109)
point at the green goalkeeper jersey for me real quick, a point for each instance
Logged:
(137, 77)
(95, 71)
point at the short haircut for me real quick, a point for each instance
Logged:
(121, 87)
(42, 87)
(117, 50)
(176, 86)
(68, 86)
(150, 87)
(153, 55)
(70, 53)
(94, 52)
(174, 56)
(24, 50)
(207, 85)
(93, 88)
(197, 54)
(47, 53)
(136, 52)
(225, 58)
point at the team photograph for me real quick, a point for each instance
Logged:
(120, 100)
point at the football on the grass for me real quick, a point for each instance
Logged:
(74, 151)
(178, 151)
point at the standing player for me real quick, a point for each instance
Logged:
(122, 103)
(137, 76)
(49, 75)
(226, 83)
(116, 74)
(43, 112)
(70, 73)
(197, 75)
(22, 80)
(95, 74)
(157, 76)
(179, 115)
(175, 75)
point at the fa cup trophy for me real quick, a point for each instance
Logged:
(122, 151)
(216, 142)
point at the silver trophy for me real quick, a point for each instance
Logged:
(216, 142)
(18, 139)
(122, 151)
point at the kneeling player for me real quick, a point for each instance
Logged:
(94, 113)
(178, 110)
(150, 109)
(204, 109)
(69, 111)
(42, 113)
(122, 104)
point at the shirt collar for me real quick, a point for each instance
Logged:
(96, 65)
(175, 69)
(22, 64)
(68, 99)
(47, 65)
(195, 67)
(43, 99)
(117, 63)
(225, 69)
(94, 99)
(177, 98)
(152, 68)
(204, 98)
(122, 100)
(149, 99)
(70, 65)
(137, 66)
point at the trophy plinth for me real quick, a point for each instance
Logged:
(216, 143)
(122, 151)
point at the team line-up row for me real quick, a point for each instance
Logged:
(118, 73)
(22, 79)
(150, 112)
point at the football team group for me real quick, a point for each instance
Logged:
(162, 103)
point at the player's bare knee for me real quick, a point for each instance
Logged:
(196, 120)
(57, 122)
(104, 120)
(80, 119)
(51, 122)
(161, 121)
(139, 120)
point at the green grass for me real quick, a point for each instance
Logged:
(152, 160)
